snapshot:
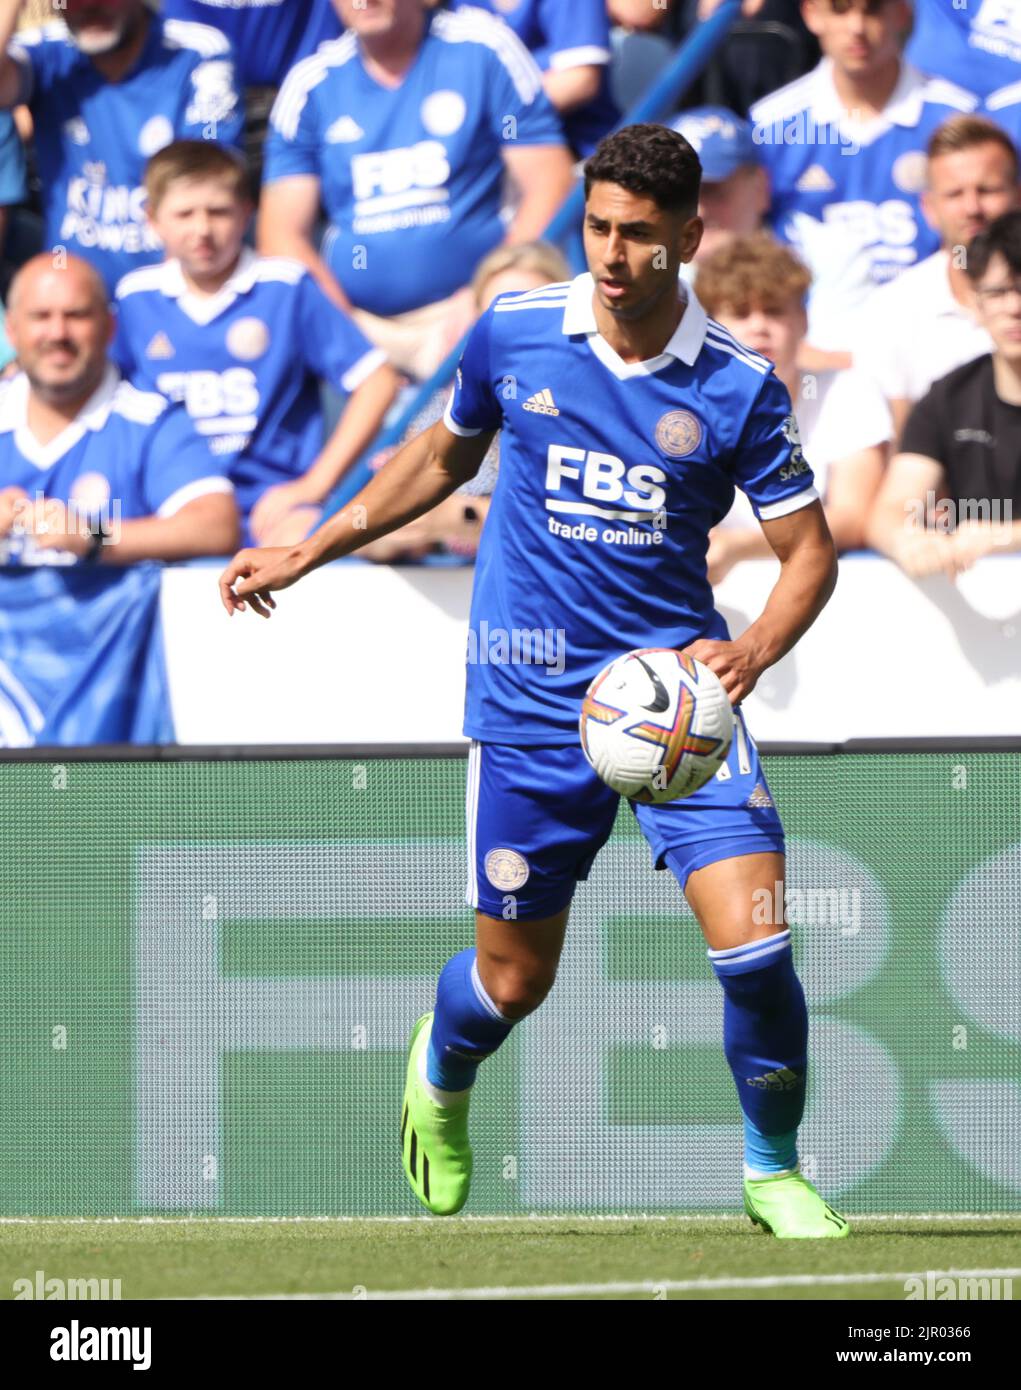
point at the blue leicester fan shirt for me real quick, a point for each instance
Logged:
(861, 178)
(245, 362)
(268, 36)
(611, 476)
(411, 177)
(93, 137)
(127, 454)
(975, 42)
(559, 36)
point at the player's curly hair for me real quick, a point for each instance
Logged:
(651, 160)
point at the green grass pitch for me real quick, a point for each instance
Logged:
(579, 1257)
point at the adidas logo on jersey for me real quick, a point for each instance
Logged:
(759, 797)
(160, 346)
(815, 179)
(343, 131)
(542, 403)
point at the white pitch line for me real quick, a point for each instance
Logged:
(649, 1286)
(538, 1218)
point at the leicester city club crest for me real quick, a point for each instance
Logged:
(679, 433)
(506, 869)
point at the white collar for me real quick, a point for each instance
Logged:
(200, 308)
(923, 286)
(942, 300)
(903, 108)
(684, 345)
(92, 416)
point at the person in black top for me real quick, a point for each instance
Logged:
(953, 492)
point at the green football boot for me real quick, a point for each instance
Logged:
(435, 1151)
(789, 1207)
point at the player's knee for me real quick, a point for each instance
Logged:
(518, 992)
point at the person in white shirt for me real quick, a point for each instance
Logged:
(924, 324)
(756, 288)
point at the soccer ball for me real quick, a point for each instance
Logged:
(655, 724)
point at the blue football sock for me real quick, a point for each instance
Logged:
(765, 1038)
(467, 1026)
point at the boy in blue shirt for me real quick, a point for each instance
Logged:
(244, 340)
(107, 89)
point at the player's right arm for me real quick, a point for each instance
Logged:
(11, 74)
(429, 468)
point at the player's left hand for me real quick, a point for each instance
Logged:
(733, 662)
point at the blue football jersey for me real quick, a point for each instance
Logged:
(93, 137)
(268, 36)
(611, 477)
(976, 44)
(567, 36)
(128, 454)
(861, 179)
(411, 177)
(246, 363)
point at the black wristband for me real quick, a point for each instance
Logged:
(99, 535)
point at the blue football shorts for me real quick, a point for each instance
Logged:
(537, 818)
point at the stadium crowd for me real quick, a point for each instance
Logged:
(240, 235)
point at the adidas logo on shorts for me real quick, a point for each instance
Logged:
(542, 403)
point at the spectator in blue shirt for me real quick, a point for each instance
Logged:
(845, 147)
(571, 44)
(243, 341)
(107, 89)
(734, 194)
(93, 469)
(403, 129)
(268, 36)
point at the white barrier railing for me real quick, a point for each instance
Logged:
(376, 655)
